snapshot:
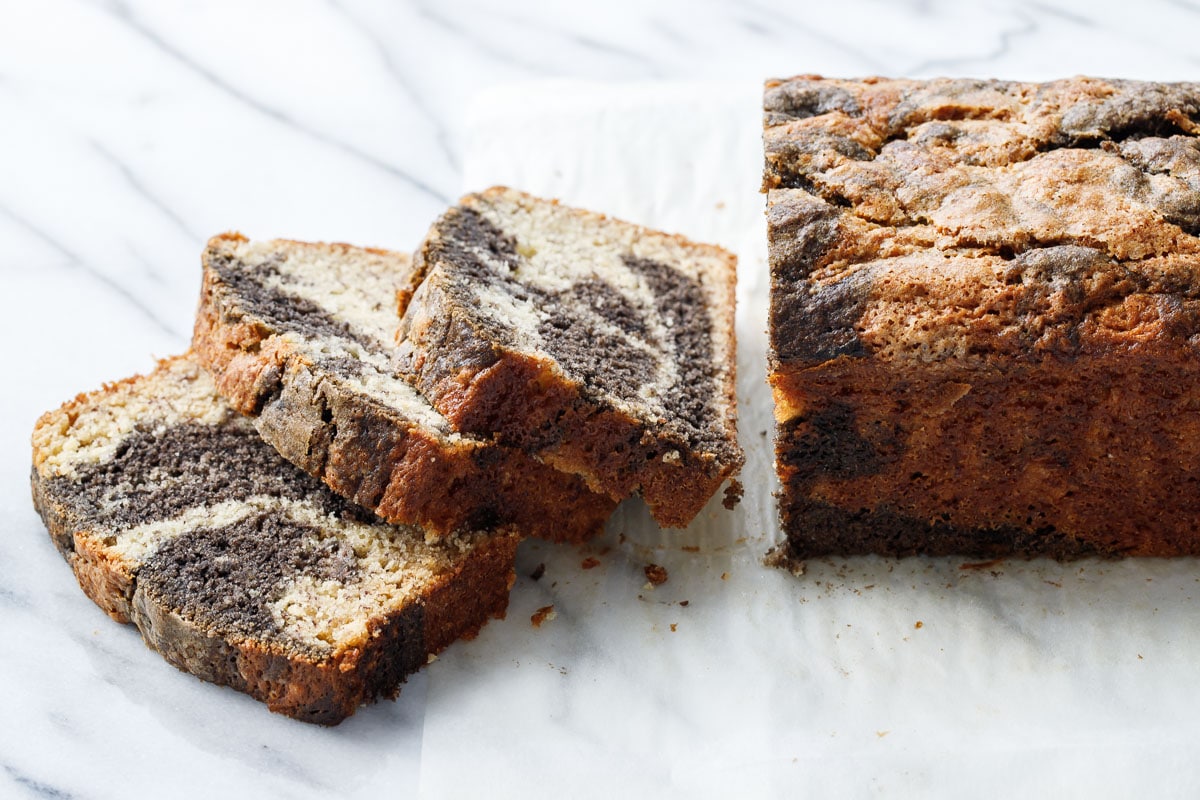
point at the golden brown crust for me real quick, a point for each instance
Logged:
(474, 593)
(1094, 455)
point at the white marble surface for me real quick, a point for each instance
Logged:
(132, 131)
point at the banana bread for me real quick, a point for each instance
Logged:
(239, 568)
(985, 316)
(300, 336)
(604, 348)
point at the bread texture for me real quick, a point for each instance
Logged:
(604, 348)
(239, 568)
(985, 316)
(300, 336)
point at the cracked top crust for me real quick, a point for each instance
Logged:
(958, 220)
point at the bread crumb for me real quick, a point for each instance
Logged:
(655, 574)
(684, 603)
(433, 657)
(538, 572)
(690, 548)
(919, 625)
(673, 624)
(733, 494)
(543, 614)
(882, 734)
(981, 564)
(590, 562)
(724, 576)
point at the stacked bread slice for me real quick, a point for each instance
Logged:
(300, 337)
(307, 508)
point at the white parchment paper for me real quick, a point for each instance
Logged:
(861, 677)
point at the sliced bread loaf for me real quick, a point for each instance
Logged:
(300, 336)
(605, 348)
(239, 568)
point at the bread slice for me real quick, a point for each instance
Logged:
(300, 336)
(239, 568)
(605, 348)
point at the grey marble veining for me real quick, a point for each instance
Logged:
(132, 131)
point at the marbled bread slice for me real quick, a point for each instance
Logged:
(605, 348)
(239, 568)
(300, 336)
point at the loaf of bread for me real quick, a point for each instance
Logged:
(300, 336)
(604, 348)
(239, 568)
(985, 316)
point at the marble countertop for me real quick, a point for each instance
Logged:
(132, 131)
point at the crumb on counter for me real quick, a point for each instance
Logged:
(543, 614)
(538, 572)
(656, 575)
(733, 494)
(981, 564)
(591, 562)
